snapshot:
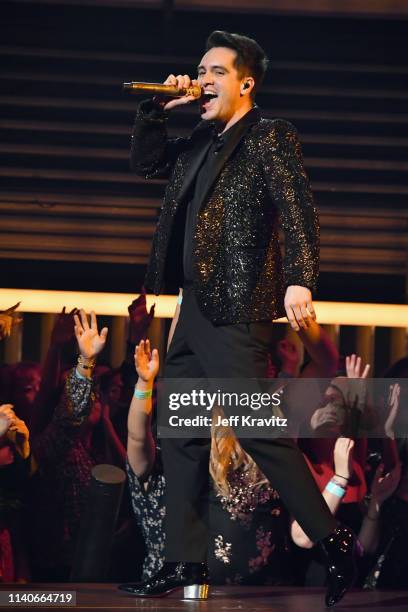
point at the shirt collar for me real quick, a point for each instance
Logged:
(252, 116)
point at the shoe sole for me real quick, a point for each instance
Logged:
(194, 591)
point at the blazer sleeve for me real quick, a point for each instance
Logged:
(289, 188)
(152, 153)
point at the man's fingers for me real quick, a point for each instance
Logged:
(305, 314)
(171, 80)
(181, 80)
(291, 318)
(311, 310)
(104, 334)
(298, 314)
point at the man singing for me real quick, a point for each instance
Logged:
(230, 183)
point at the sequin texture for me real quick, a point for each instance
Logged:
(239, 274)
(246, 494)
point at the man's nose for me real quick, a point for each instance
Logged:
(206, 79)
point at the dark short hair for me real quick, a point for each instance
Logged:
(251, 59)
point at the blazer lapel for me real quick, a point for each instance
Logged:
(198, 153)
(200, 150)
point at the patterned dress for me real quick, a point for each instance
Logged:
(249, 535)
(59, 488)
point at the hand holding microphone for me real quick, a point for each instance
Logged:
(166, 100)
(181, 81)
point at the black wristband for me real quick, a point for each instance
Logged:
(344, 477)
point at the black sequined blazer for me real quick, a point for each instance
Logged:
(259, 182)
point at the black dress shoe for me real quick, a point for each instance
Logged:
(191, 577)
(340, 550)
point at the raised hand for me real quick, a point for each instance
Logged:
(139, 318)
(384, 486)
(90, 341)
(146, 361)
(299, 306)
(63, 330)
(353, 367)
(343, 457)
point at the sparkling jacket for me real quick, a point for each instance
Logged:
(259, 182)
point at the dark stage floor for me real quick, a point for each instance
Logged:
(248, 599)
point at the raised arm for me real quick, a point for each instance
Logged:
(141, 447)
(335, 488)
(77, 397)
(383, 486)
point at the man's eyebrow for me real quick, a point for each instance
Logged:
(213, 67)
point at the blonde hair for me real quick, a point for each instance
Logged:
(227, 456)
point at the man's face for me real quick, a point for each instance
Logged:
(217, 75)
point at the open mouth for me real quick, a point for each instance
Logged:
(208, 97)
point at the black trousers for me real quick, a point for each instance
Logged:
(201, 349)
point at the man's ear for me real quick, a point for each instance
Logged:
(247, 86)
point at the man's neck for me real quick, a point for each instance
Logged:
(234, 119)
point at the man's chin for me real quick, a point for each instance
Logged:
(208, 115)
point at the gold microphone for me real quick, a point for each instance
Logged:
(164, 90)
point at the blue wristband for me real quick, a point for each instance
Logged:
(143, 394)
(80, 376)
(335, 489)
(179, 299)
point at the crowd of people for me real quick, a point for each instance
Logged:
(59, 420)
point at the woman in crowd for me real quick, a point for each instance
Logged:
(65, 452)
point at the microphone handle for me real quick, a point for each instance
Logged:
(163, 90)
